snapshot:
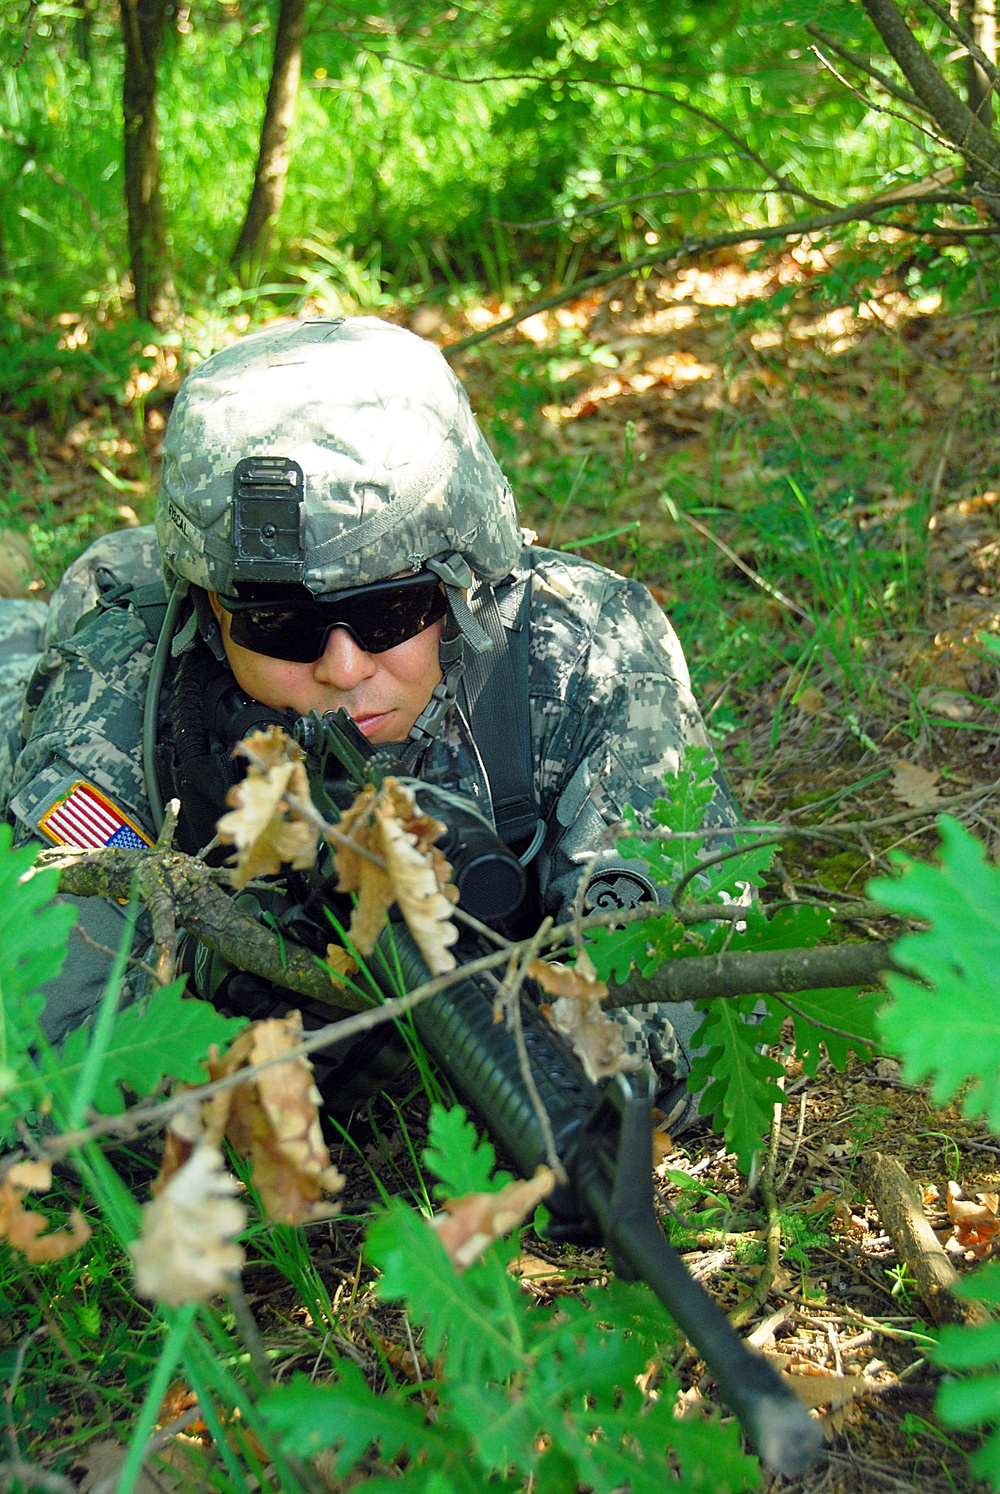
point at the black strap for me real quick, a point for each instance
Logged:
(148, 602)
(496, 694)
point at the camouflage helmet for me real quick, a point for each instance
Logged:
(395, 472)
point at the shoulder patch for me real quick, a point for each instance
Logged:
(82, 816)
(616, 888)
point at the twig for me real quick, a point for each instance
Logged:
(746, 1309)
(863, 66)
(29, 30)
(748, 571)
(815, 1022)
(133, 960)
(246, 1325)
(511, 998)
(869, 211)
(968, 41)
(786, 1171)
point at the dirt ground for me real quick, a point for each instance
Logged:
(810, 745)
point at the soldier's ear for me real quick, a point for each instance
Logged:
(216, 605)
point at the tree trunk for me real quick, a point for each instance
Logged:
(143, 25)
(271, 174)
(980, 20)
(954, 119)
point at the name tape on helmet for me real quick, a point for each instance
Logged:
(190, 531)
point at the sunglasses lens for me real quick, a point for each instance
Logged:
(378, 618)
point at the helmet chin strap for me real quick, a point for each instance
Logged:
(460, 630)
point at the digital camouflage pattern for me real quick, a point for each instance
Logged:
(396, 469)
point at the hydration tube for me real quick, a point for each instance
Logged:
(150, 712)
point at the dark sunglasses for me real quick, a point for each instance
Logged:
(378, 617)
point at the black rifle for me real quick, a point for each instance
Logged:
(603, 1137)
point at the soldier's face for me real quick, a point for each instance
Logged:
(384, 693)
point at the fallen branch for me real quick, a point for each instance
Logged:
(763, 972)
(901, 1210)
(205, 911)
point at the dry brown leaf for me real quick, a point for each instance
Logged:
(339, 963)
(975, 1224)
(566, 980)
(468, 1225)
(356, 824)
(25, 1230)
(949, 703)
(273, 1120)
(914, 785)
(576, 1014)
(811, 701)
(663, 1146)
(595, 1039)
(266, 831)
(389, 825)
(187, 1250)
(822, 1390)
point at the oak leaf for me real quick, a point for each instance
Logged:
(267, 832)
(468, 1225)
(24, 1229)
(391, 858)
(914, 785)
(975, 1224)
(271, 1118)
(339, 963)
(576, 1014)
(187, 1250)
(566, 980)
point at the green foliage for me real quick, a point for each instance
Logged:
(541, 1393)
(974, 1401)
(738, 1080)
(33, 935)
(741, 1088)
(944, 1020)
(943, 1024)
(166, 1036)
(457, 1155)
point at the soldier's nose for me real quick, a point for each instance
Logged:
(343, 664)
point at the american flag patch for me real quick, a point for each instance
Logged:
(85, 818)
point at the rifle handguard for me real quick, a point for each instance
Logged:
(604, 1139)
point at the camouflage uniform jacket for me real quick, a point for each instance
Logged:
(611, 711)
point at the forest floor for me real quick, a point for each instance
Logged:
(815, 499)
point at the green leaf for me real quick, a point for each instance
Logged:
(457, 1155)
(741, 1093)
(944, 1024)
(33, 939)
(477, 1316)
(165, 1037)
(347, 1415)
(645, 945)
(689, 792)
(852, 1011)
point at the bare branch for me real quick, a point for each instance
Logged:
(833, 45)
(757, 972)
(668, 255)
